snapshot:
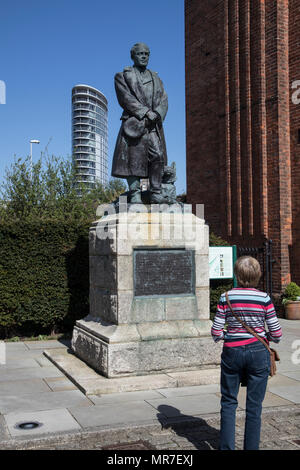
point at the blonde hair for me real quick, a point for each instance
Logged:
(247, 271)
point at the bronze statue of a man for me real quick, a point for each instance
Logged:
(140, 150)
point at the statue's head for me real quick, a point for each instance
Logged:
(140, 53)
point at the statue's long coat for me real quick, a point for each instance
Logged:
(131, 155)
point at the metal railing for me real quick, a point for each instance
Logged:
(264, 256)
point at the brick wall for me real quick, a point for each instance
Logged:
(294, 68)
(242, 131)
(203, 40)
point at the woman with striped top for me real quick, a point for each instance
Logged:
(244, 357)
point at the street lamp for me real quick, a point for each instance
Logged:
(33, 141)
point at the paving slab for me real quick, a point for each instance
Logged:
(287, 366)
(15, 346)
(72, 366)
(270, 400)
(104, 415)
(23, 387)
(42, 361)
(288, 393)
(285, 354)
(282, 379)
(28, 354)
(293, 375)
(29, 373)
(193, 405)
(18, 364)
(188, 391)
(197, 377)
(43, 401)
(125, 384)
(59, 384)
(53, 421)
(52, 343)
(119, 398)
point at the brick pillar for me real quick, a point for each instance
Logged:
(278, 128)
(246, 118)
(294, 68)
(238, 122)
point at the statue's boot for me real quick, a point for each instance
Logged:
(155, 178)
(136, 197)
(135, 190)
(156, 198)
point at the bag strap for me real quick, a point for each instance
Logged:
(252, 332)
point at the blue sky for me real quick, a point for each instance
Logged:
(48, 46)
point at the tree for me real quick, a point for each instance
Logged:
(50, 190)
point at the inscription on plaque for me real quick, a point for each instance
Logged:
(164, 272)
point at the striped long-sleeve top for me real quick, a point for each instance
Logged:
(255, 308)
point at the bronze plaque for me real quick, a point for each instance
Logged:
(164, 272)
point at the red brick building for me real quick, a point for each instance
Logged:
(243, 123)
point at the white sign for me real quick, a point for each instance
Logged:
(220, 262)
(2, 92)
(2, 353)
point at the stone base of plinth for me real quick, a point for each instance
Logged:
(145, 348)
(92, 383)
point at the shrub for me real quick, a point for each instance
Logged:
(44, 272)
(215, 240)
(50, 191)
(44, 276)
(292, 291)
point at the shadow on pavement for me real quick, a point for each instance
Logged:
(196, 430)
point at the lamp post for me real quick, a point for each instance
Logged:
(32, 142)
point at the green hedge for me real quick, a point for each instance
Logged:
(44, 276)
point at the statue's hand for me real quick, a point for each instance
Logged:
(152, 116)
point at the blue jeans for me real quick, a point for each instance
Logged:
(252, 361)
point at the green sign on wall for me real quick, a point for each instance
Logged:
(221, 262)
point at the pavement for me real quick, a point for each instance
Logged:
(33, 389)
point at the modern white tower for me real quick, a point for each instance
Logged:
(89, 135)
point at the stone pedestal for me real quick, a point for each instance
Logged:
(149, 295)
